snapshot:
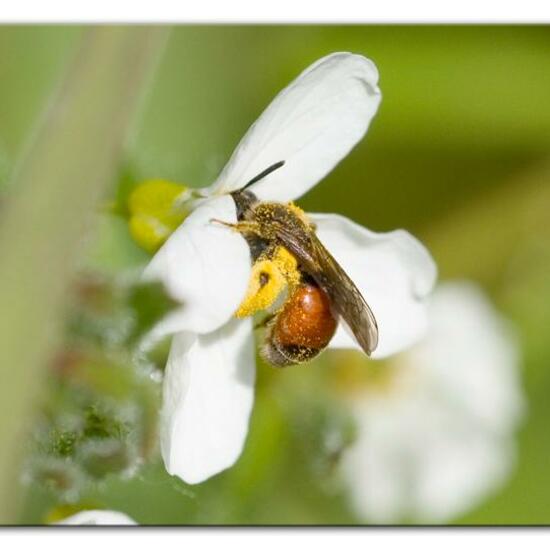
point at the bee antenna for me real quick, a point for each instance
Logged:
(265, 173)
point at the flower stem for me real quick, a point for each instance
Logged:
(69, 163)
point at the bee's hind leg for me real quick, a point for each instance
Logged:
(265, 321)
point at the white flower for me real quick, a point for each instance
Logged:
(442, 439)
(97, 517)
(209, 382)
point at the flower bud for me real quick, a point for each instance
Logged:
(157, 207)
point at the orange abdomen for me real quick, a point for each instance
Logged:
(306, 319)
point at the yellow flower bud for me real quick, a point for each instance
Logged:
(157, 207)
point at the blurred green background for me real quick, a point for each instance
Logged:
(459, 154)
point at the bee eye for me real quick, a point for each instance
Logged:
(264, 278)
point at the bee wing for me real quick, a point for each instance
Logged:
(310, 125)
(346, 299)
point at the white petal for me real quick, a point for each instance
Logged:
(207, 399)
(311, 125)
(205, 266)
(417, 457)
(393, 271)
(472, 354)
(464, 466)
(440, 438)
(372, 467)
(97, 517)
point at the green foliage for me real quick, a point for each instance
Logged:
(116, 313)
(63, 442)
(100, 419)
(150, 304)
(99, 424)
(127, 181)
(70, 158)
(458, 154)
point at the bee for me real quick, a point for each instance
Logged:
(301, 329)
(325, 295)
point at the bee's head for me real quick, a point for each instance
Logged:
(244, 198)
(244, 201)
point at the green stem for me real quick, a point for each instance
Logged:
(69, 164)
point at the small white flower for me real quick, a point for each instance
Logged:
(209, 382)
(97, 517)
(442, 439)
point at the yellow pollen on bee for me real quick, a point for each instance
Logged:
(287, 264)
(270, 277)
(299, 212)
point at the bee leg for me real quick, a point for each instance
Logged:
(265, 321)
(243, 227)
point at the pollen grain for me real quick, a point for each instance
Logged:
(272, 274)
